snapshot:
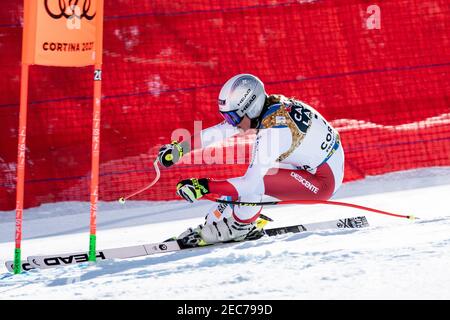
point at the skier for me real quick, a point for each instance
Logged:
(297, 155)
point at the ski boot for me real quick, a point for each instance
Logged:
(225, 230)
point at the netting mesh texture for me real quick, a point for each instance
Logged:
(383, 83)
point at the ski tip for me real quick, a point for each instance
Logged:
(412, 218)
(122, 200)
(9, 266)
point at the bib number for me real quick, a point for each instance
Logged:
(301, 116)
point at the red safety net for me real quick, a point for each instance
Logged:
(380, 74)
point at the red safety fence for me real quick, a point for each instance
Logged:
(379, 73)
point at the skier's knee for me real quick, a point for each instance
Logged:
(246, 214)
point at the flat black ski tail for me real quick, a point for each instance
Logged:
(283, 230)
(264, 217)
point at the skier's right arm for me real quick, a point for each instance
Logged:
(169, 154)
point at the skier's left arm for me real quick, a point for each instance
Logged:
(250, 187)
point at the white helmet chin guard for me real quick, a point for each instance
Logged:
(241, 95)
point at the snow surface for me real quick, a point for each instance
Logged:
(393, 259)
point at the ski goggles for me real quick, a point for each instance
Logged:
(232, 117)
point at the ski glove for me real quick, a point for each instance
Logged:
(169, 154)
(192, 189)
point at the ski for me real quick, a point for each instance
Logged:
(355, 222)
(51, 261)
(56, 260)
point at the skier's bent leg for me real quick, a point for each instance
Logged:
(225, 223)
(219, 211)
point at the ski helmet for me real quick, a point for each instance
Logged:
(241, 95)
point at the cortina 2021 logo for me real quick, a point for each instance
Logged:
(69, 9)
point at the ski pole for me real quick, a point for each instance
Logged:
(158, 174)
(335, 203)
